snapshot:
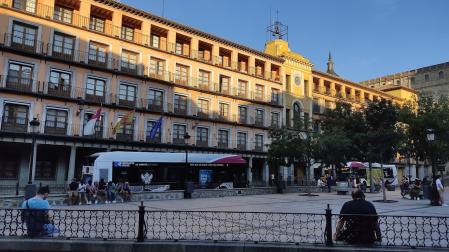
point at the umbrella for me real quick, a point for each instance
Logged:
(355, 164)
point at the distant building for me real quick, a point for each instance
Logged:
(427, 80)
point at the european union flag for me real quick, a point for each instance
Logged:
(156, 127)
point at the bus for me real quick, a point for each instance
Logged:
(169, 170)
(345, 173)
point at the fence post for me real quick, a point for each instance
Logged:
(140, 232)
(328, 231)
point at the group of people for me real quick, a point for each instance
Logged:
(416, 188)
(81, 193)
(326, 181)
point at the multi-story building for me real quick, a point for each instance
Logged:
(63, 59)
(430, 80)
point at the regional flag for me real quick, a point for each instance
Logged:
(157, 126)
(89, 128)
(128, 118)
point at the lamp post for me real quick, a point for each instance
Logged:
(434, 193)
(30, 188)
(189, 184)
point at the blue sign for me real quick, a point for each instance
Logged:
(205, 178)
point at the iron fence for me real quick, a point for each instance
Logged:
(257, 227)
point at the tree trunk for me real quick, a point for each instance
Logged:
(371, 185)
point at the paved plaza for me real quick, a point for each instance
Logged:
(289, 203)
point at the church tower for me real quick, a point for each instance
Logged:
(330, 65)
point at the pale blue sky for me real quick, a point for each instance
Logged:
(367, 38)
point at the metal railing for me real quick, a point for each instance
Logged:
(259, 227)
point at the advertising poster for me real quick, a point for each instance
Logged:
(205, 178)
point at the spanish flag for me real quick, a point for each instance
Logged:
(128, 118)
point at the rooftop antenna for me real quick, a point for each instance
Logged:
(277, 30)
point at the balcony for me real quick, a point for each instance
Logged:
(243, 120)
(275, 101)
(19, 83)
(61, 52)
(129, 69)
(14, 124)
(23, 43)
(95, 98)
(55, 128)
(202, 143)
(128, 136)
(259, 123)
(179, 141)
(58, 89)
(258, 148)
(180, 111)
(155, 107)
(223, 145)
(127, 102)
(241, 146)
(204, 115)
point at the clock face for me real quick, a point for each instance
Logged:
(297, 80)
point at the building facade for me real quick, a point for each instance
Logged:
(63, 59)
(430, 80)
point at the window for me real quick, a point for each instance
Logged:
(242, 88)
(157, 67)
(259, 92)
(223, 138)
(63, 14)
(203, 107)
(46, 163)
(63, 46)
(15, 118)
(24, 36)
(412, 80)
(241, 140)
(179, 131)
(296, 111)
(181, 74)
(426, 77)
(155, 41)
(95, 89)
(202, 136)
(56, 121)
(127, 33)
(243, 113)
(127, 95)
(398, 82)
(19, 77)
(97, 24)
(9, 163)
(223, 110)
(259, 117)
(259, 142)
(59, 83)
(178, 48)
(180, 104)
(98, 54)
(204, 78)
(155, 100)
(441, 75)
(126, 131)
(129, 62)
(157, 137)
(25, 5)
(275, 120)
(275, 96)
(98, 124)
(224, 84)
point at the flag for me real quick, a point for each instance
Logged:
(155, 128)
(89, 128)
(128, 118)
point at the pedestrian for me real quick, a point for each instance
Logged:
(440, 189)
(82, 193)
(36, 217)
(91, 192)
(272, 179)
(330, 182)
(358, 221)
(72, 192)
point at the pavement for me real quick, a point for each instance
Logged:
(285, 203)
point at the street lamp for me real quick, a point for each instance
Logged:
(434, 193)
(189, 185)
(30, 188)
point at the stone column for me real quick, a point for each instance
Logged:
(249, 173)
(71, 172)
(265, 173)
(321, 86)
(332, 89)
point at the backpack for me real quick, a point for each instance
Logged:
(34, 220)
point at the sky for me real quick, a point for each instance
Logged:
(367, 38)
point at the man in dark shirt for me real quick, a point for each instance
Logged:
(73, 192)
(358, 222)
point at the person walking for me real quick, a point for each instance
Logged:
(358, 221)
(330, 182)
(440, 188)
